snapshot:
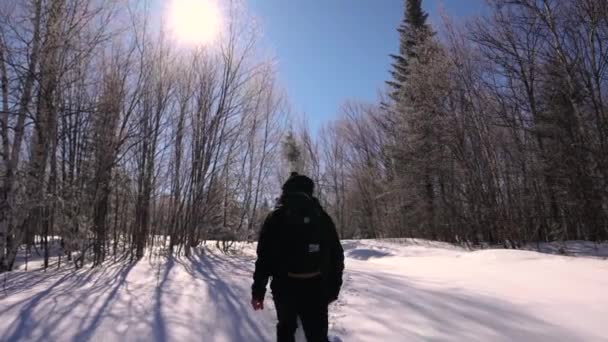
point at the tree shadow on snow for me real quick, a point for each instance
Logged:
(43, 312)
(87, 331)
(159, 324)
(573, 248)
(423, 314)
(366, 254)
(219, 272)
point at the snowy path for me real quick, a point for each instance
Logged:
(391, 293)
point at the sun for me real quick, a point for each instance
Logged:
(195, 22)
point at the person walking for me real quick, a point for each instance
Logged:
(300, 250)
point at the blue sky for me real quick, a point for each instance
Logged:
(329, 51)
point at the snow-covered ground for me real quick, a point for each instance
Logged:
(393, 291)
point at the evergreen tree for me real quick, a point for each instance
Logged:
(409, 124)
(292, 153)
(412, 30)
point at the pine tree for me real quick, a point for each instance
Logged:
(292, 153)
(407, 123)
(412, 30)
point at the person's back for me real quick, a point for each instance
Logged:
(300, 249)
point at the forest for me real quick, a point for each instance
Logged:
(492, 131)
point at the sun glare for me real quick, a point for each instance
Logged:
(195, 22)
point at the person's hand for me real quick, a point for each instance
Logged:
(257, 304)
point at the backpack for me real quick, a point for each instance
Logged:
(302, 238)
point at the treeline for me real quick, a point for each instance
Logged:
(491, 132)
(114, 139)
(111, 135)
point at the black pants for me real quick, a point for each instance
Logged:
(304, 298)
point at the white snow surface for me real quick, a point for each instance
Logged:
(393, 291)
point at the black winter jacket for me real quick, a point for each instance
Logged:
(270, 263)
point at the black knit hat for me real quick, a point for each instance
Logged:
(299, 183)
